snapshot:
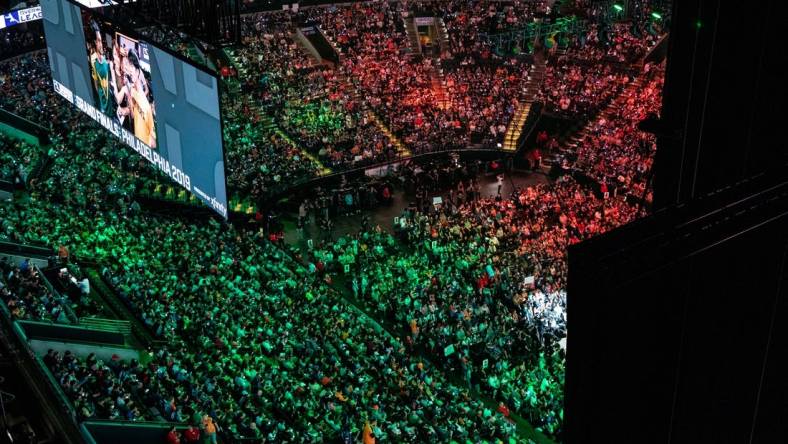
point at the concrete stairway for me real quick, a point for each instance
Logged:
(268, 122)
(438, 84)
(307, 51)
(402, 150)
(413, 35)
(443, 35)
(110, 325)
(272, 126)
(514, 130)
(528, 94)
(572, 143)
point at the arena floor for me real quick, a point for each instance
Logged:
(384, 215)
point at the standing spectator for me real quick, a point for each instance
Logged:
(191, 434)
(25, 265)
(503, 410)
(62, 254)
(302, 214)
(173, 437)
(209, 429)
(369, 438)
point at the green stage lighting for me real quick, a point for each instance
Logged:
(656, 15)
(618, 7)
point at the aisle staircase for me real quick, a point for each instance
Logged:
(572, 143)
(314, 61)
(349, 85)
(528, 94)
(133, 329)
(438, 84)
(402, 150)
(443, 35)
(234, 83)
(109, 325)
(413, 35)
(198, 56)
(268, 122)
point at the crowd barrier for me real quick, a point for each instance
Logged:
(316, 43)
(17, 259)
(296, 188)
(6, 191)
(124, 432)
(44, 331)
(38, 132)
(659, 52)
(27, 250)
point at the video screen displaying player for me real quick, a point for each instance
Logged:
(120, 72)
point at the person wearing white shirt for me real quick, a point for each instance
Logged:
(84, 286)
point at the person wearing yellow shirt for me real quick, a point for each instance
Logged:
(368, 437)
(142, 110)
(118, 64)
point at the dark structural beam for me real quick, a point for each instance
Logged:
(725, 90)
(678, 323)
(215, 22)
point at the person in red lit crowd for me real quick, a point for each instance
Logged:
(541, 138)
(503, 410)
(191, 434)
(173, 436)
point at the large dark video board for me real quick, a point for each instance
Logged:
(165, 108)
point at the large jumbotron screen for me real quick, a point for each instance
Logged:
(165, 108)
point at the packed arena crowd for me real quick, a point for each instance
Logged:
(360, 374)
(481, 281)
(463, 99)
(575, 90)
(27, 297)
(428, 110)
(25, 83)
(315, 356)
(17, 160)
(615, 153)
(449, 328)
(21, 39)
